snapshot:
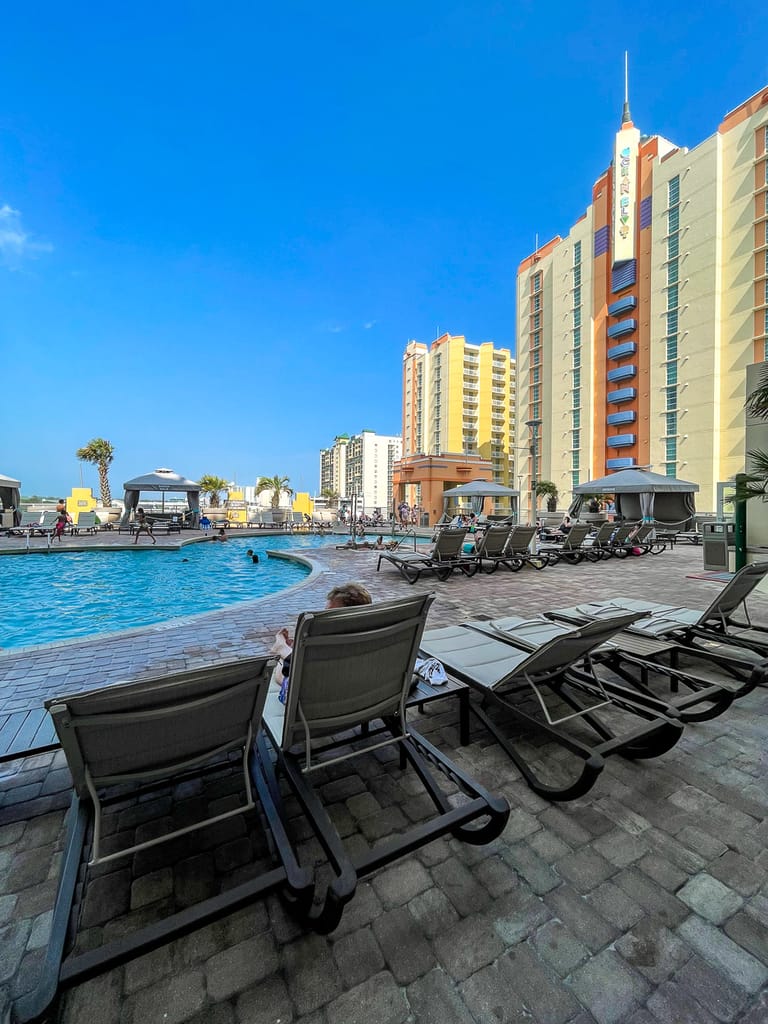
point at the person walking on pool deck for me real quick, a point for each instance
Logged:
(143, 525)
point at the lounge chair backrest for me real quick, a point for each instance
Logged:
(152, 727)
(448, 544)
(642, 534)
(622, 532)
(735, 593)
(604, 534)
(493, 542)
(86, 521)
(569, 648)
(30, 519)
(576, 536)
(520, 539)
(351, 665)
(49, 520)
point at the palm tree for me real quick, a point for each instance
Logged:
(212, 486)
(276, 484)
(546, 487)
(754, 484)
(331, 495)
(99, 453)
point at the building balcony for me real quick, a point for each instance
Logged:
(622, 327)
(625, 463)
(622, 373)
(623, 305)
(622, 395)
(621, 440)
(618, 419)
(627, 348)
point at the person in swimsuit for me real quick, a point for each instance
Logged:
(143, 525)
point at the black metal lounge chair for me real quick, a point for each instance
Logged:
(518, 551)
(142, 734)
(572, 548)
(600, 546)
(446, 555)
(511, 677)
(351, 667)
(644, 663)
(717, 623)
(490, 550)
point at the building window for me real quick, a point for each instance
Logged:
(575, 460)
(536, 282)
(673, 272)
(672, 348)
(673, 247)
(536, 339)
(537, 302)
(576, 358)
(576, 277)
(576, 337)
(536, 356)
(536, 321)
(576, 401)
(670, 445)
(765, 321)
(577, 245)
(575, 439)
(535, 393)
(577, 318)
(575, 479)
(536, 375)
(673, 297)
(673, 191)
(671, 322)
(576, 418)
(671, 397)
(673, 220)
(671, 424)
(535, 411)
(672, 373)
(577, 378)
(577, 296)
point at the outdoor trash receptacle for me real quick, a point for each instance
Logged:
(716, 538)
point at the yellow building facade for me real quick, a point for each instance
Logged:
(459, 404)
(636, 328)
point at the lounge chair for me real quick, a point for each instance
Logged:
(490, 550)
(600, 546)
(145, 733)
(28, 523)
(718, 622)
(570, 550)
(86, 523)
(48, 522)
(643, 663)
(518, 552)
(446, 555)
(529, 684)
(349, 668)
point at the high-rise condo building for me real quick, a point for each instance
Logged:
(458, 419)
(636, 328)
(360, 467)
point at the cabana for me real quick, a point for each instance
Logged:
(477, 490)
(161, 480)
(641, 494)
(10, 496)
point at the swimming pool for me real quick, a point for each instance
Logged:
(46, 599)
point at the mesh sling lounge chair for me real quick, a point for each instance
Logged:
(86, 523)
(725, 621)
(638, 662)
(518, 551)
(489, 551)
(145, 733)
(571, 549)
(351, 667)
(510, 677)
(446, 555)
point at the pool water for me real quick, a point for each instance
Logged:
(62, 596)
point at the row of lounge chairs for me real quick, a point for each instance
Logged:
(597, 679)
(510, 546)
(32, 523)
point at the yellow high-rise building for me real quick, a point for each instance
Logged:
(635, 329)
(458, 418)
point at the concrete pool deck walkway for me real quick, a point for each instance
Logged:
(645, 901)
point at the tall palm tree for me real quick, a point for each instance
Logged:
(99, 453)
(754, 483)
(276, 484)
(212, 486)
(331, 495)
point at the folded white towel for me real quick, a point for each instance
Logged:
(431, 671)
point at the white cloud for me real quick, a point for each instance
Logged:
(16, 245)
(370, 323)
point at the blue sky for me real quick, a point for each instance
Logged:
(221, 223)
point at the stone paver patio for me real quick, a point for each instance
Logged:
(645, 901)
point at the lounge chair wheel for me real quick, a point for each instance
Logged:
(657, 547)
(621, 552)
(514, 564)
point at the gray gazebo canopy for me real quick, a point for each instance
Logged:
(162, 480)
(479, 489)
(642, 494)
(10, 494)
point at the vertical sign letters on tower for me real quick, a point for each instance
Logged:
(624, 190)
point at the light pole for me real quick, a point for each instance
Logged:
(533, 426)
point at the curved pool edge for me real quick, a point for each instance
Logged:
(315, 570)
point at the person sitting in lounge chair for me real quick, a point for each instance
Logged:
(346, 595)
